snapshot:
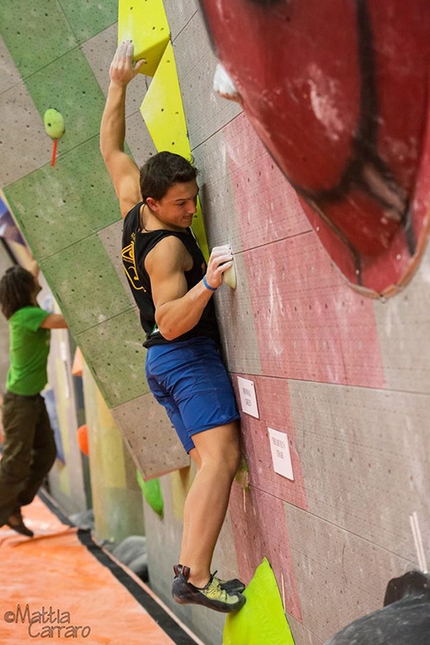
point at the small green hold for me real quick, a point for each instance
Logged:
(151, 490)
(54, 123)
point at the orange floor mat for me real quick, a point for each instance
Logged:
(61, 587)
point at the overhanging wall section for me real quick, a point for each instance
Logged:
(345, 377)
(59, 56)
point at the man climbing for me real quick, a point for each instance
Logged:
(173, 288)
(29, 448)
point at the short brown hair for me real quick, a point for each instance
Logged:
(162, 171)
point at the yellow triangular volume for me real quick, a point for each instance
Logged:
(163, 112)
(162, 108)
(145, 23)
(262, 618)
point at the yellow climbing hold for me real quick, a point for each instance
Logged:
(145, 23)
(54, 123)
(162, 108)
(163, 112)
(262, 618)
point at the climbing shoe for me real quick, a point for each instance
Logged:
(230, 586)
(16, 523)
(211, 595)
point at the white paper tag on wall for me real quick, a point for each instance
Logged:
(63, 354)
(281, 457)
(248, 399)
(63, 351)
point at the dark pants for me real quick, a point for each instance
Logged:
(28, 451)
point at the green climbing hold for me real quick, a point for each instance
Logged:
(54, 123)
(152, 492)
(262, 618)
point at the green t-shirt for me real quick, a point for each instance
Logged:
(28, 351)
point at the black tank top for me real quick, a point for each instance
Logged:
(135, 247)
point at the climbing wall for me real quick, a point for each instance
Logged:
(69, 213)
(343, 378)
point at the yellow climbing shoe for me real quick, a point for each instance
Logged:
(212, 595)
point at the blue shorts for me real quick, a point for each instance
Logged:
(190, 380)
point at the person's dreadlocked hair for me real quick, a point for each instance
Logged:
(162, 171)
(16, 290)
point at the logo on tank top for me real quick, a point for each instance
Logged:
(129, 266)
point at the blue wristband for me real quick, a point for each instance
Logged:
(205, 282)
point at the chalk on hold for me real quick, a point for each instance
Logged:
(229, 276)
(224, 85)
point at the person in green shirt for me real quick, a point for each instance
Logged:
(29, 449)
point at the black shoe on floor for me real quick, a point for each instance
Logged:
(16, 523)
